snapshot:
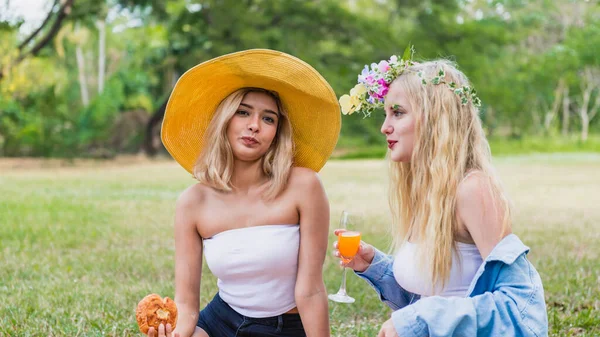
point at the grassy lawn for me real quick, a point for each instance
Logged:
(81, 245)
(501, 146)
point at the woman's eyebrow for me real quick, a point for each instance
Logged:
(266, 110)
(271, 112)
(247, 106)
(396, 106)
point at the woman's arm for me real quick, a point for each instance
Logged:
(376, 268)
(310, 292)
(380, 276)
(513, 304)
(188, 262)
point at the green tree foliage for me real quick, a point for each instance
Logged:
(525, 57)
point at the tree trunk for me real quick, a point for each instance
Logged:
(101, 24)
(592, 112)
(555, 105)
(583, 113)
(535, 115)
(588, 115)
(566, 111)
(172, 74)
(585, 125)
(590, 82)
(85, 96)
(154, 121)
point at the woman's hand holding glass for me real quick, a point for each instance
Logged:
(363, 258)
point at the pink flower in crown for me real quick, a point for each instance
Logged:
(381, 90)
(383, 66)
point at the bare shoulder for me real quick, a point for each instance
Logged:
(190, 204)
(473, 189)
(304, 177)
(305, 186)
(480, 211)
(192, 196)
(309, 196)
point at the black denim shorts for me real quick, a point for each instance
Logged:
(218, 319)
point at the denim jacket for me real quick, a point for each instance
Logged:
(506, 298)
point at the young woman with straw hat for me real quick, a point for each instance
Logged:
(253, 128)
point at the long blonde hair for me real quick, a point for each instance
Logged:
(449, 143)
(214, 166)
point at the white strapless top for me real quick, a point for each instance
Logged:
(256, 268)
(414, 277)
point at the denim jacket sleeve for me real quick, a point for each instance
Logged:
(380, 276)
(514, 306)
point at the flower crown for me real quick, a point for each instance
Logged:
(374, 83)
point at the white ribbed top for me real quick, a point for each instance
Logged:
(414, 277)
(256, 268)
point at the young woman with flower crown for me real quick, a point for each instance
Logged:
(253, 128)
(456, 269)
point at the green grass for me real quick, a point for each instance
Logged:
(80, 246)
(500, 147)
(529, 145)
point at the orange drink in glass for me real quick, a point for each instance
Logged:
(348, 243)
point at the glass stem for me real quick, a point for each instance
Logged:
(343, 285)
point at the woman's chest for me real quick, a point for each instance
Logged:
(217, 215)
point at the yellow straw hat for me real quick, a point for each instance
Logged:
(312, 106)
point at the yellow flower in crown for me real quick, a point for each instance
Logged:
(358, 90)
(353, 102)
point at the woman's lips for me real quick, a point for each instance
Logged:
(249, 140)
(391, 143)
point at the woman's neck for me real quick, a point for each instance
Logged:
(247, 176)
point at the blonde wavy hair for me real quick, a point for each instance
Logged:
(214, 166)
(449, 143)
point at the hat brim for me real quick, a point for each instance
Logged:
(311, 104)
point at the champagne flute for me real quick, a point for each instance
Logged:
(348, 244)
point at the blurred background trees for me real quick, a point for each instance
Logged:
(91, 79)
